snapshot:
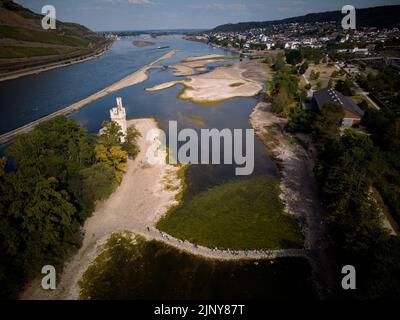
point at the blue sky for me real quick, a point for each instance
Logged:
(174, 14)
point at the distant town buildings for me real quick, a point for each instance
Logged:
(296, 35)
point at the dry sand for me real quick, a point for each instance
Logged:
(192, 65)
(238, 80)
(136, 205)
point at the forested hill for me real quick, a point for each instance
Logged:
(22, 38)
(381, 17)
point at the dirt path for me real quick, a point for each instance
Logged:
(299, 189)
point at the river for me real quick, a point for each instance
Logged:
(29, 98)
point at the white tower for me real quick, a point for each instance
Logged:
(118, 115)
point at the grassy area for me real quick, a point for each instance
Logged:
(325, 71)
(52, 37)
(132, 268)
(245, 214)
(236, 84)
(10, 52)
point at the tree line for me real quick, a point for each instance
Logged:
(354, 171)
(50, 181)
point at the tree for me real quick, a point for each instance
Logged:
(314, 75)
(113, 157)
(345, 87)
(282, 103)
(301, 121)
(39, 225)
(99, 182)
(111, 134)
(294, 57)
(303, 67)
(327, 126)
(130, 144)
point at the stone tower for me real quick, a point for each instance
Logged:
(118, 114)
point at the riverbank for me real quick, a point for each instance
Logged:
(299, 189)
(54, 65)
(137, 204)
(137, 77)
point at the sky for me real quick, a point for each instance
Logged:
(102, 15)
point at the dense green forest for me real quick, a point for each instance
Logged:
(56, 173)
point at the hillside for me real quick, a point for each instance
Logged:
(381, 17)
(24, 43)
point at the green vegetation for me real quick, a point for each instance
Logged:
(61, 172)
(236, 84)
(286, 94)
(132, 268)
(384, 125)
(349, 166)
(10, 52)
(303, 68)
(244, 214)
(294, 57)
(353, 170)
(314, 75)
(345, 87)
(346, 170)
(51, 37)
(314, 55)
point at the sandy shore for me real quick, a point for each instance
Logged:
(141, 44)
(136, 205)
(192, 65)
(299, 190)
(238, 80)
(137, 77)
